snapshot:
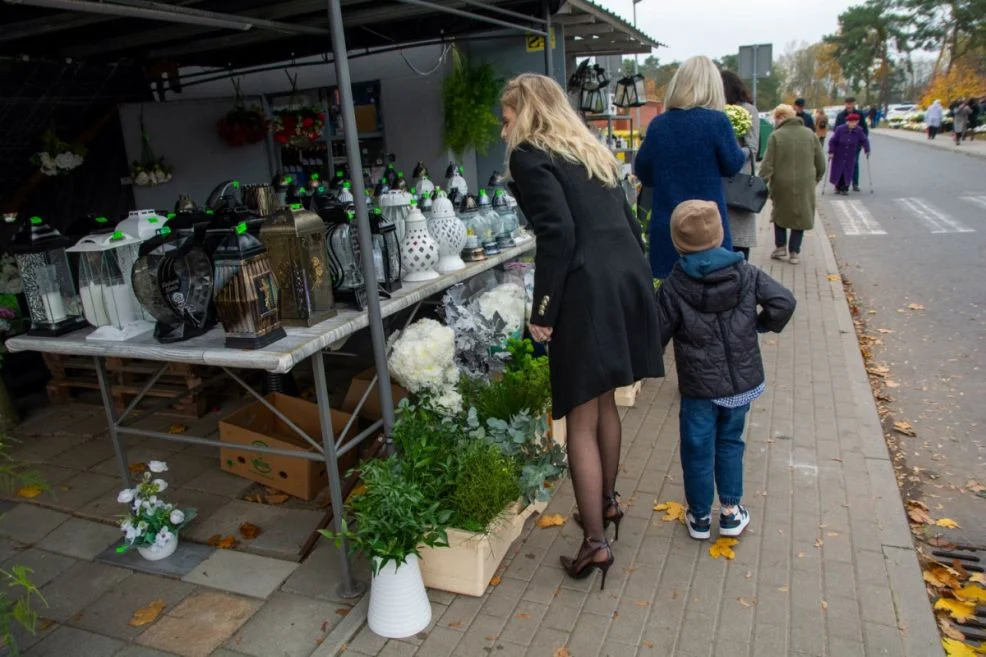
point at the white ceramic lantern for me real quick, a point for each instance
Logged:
(142, 224)
(450, 233)
(419, 250)
(106, 261)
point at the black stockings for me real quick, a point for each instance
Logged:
(594, 434)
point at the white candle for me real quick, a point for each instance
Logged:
(54, 306)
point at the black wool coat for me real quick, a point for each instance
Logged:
(592, 283)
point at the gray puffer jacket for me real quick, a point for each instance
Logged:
(714, 322)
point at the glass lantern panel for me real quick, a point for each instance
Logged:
(48, 287)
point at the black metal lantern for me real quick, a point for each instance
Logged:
(599, 77)
(630, 92)
(173, 281)
(386, 251)
(47, 279)
(345, 261)
(247, 292)
(591, 101)
(295, 241)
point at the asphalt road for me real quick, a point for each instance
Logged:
(920, 238)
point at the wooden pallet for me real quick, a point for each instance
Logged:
(127, 377)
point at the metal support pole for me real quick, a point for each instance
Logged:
(348, 588)
(754, 74)
(549, 68)
(377, 337)
(104, 389)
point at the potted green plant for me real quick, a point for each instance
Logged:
(470, 95)
(394, 517)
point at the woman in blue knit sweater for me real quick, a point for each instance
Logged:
(686, 153)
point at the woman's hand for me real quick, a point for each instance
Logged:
(541, 333)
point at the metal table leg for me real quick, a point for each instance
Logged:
(104, 389)
(349, 587)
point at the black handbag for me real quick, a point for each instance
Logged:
(746, 192)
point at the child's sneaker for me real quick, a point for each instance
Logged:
(734, 523)
(698, 528)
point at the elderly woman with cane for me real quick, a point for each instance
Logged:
(846, 141)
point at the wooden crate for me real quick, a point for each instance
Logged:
(127, 377)
(627, 395)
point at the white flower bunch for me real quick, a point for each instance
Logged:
(10, 276)
(61, 163)
(423, 361)
(507, 300)
(150, 520)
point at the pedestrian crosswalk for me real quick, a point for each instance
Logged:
(856, 219)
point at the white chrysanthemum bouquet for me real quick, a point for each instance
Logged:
(423, 361)
(739, 117)
(151, 521)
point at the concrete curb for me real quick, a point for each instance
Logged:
(947, 146)
(337, 639)
(914, 614)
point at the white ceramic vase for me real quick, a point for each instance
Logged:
(399, 605)
(450, 233)
(419, 250)
(157, 553)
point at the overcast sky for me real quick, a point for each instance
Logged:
(720, 27)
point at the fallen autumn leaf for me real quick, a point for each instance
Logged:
(957, 609)
(723, 547)
(250, 531)
(551, 520)
(672, 511)
(147, 614)
(947, 523)
(29, 492)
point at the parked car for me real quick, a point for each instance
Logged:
(901, 110)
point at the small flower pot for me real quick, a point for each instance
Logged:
(156, 552)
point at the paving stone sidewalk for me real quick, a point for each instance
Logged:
(943, 142)
(826, 567)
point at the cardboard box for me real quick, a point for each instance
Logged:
(256, 425)
(366, 118)
(371, 409)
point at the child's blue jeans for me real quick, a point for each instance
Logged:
(711, 453)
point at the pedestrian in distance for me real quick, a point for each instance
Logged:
(933, 117)
(687, 152)
(821, 125)
(799, 108)
(792, 167)
(593, 293)
(974, 119)
(846, 141)
(714, 304)
(841, 119)
(961, 117)
(743, 225)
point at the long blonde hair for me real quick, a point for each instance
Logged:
(696, 83)
(547, 121)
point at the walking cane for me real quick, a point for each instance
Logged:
(869, 175)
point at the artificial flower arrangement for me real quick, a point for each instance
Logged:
(739, 117)
(149, 174)
(298, 126)
(57, 157)
(10, 275)
(151, 522)
(242, 125)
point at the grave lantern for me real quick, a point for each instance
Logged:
(246, 291)
(47, 279)
(106, 261)
(295, 241)
(509, 222)
(630, 92)
(386, 251)
(345, 263)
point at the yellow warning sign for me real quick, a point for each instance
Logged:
(535, 42)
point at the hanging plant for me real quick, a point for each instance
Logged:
(57, 157)
(242, 125)
(471, 93)
(149, 170)
(298, 127)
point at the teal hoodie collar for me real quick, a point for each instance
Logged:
(703, 263)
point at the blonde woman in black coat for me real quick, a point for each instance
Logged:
(593, 296)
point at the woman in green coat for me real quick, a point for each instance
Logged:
(792, 167)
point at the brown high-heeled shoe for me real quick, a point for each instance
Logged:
(585, 562)
(609, 502)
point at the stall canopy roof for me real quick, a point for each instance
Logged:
(591, 29)
(281, 31)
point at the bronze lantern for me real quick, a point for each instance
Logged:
(246, 291)
(295, 241)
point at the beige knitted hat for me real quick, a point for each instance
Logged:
(696, 226)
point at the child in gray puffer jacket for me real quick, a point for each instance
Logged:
(709, 305)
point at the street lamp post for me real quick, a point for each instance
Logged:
(636, 56)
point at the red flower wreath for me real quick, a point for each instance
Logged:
(242, 125)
